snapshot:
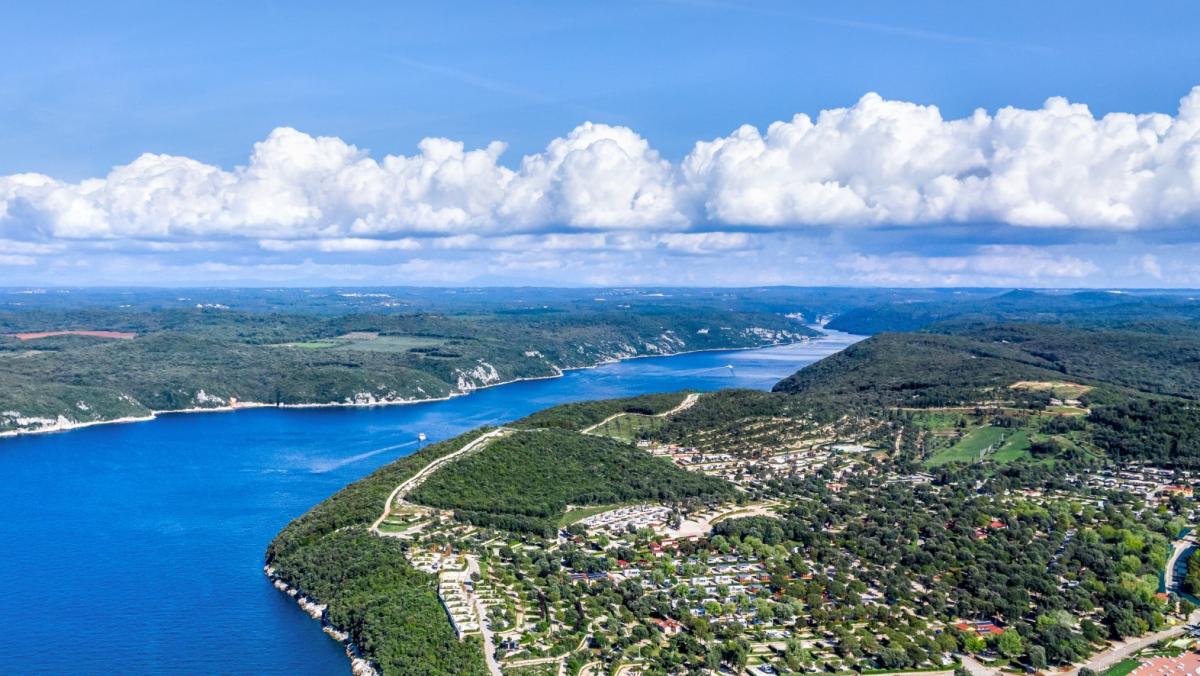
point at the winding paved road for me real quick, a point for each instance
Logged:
(687, 403)
(1180, 546)
(485, 624)
(416, 479)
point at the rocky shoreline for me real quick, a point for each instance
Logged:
(64, 425)
(359, 664)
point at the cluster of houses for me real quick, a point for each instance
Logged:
(1155, 485)
(456, 593)
(432, 560)
(914, 478)
(620, 520)
(1187, 664)
(739, 575)
(759, 465)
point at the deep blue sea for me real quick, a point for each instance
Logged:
(138, 548)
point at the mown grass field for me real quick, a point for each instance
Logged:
(390, 343)
(1016, 446)
(549, 669)
(630, 427)
(938, 420)
(368, 343)
(1122, 668)
(992, 443)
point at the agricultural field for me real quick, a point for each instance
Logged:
(368, 341)
(377, 343)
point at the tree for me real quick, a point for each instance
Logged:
(1037, 657)
(712, 658)
(1091, 631)
(893, 658)
(797, 655)
(1125, 623)
(737, 653)
(946, 642)
(974, 644)
(1010, 644)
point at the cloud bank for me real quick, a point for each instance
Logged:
(877, 164)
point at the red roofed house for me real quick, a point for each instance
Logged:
(669, 627)
(980, 628)
(1187, 664)
(985, 628)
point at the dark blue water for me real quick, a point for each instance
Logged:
(138, 548)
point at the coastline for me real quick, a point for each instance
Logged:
(359, 665)
(362, 666)
(78, 425)
(559, 372)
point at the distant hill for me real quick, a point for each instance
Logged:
(1142, 405)
(1085, 308)
(208, 357)
(891, 368)
(1157, 359)
(914, 369)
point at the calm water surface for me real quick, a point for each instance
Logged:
(137, 549)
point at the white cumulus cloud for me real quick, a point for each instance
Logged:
(892, 162)
(603, 188)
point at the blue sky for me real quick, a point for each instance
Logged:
(87, 88)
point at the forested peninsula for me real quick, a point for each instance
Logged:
(1013, 493)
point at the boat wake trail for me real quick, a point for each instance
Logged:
(323, 466)
(728, 369)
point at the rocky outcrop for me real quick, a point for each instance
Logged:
(359, 664)
(480, 376)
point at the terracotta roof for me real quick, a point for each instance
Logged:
(1187, 664)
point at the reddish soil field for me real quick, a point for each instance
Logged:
(118, 335)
